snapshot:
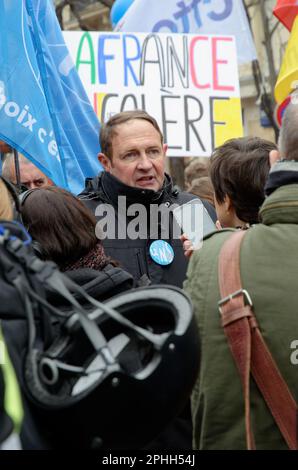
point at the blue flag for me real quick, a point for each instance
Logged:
(44, 110)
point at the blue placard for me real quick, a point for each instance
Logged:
(161, 252)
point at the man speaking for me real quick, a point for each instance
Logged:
(131, 199)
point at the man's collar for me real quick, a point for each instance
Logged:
(282, 173)
(113, 188)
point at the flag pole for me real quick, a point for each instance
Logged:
(17, 168)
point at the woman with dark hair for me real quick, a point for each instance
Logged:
(238, 172)
(64, 229)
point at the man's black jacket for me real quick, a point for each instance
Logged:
(133, 255)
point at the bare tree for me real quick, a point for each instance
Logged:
(265, 95)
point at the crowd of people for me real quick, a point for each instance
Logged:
(248, 187)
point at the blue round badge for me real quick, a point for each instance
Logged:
(161, 252)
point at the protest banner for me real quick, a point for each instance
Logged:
(192, 16)
(189, 83)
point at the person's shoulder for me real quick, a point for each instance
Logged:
(103, 284)
(184, 197)
(219, 234)
(204, 260)
(92, 187)
(212, 243)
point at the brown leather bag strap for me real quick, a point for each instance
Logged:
(274, 389)
(233, 310)
(249, 349)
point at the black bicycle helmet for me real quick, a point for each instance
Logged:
(123, 385)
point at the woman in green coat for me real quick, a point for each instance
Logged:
(268, 267)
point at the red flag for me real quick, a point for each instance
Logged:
(286, 11)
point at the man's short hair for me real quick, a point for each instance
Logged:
(108, 130)
(202, 187)
(288, 139)
(239, 169)
(197, 168)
